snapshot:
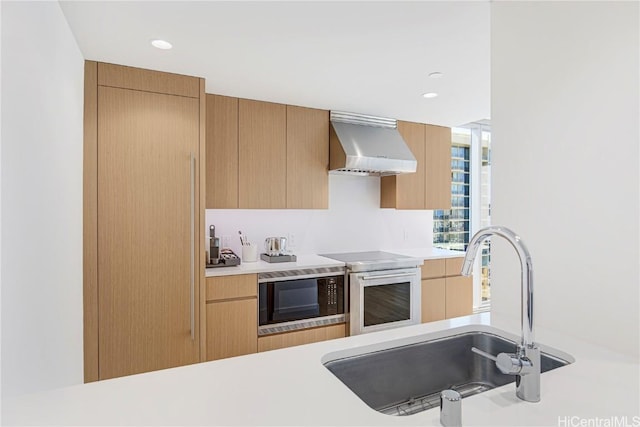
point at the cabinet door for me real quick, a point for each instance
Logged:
(307, 336)
(438, 167)
(459, 296)
(222, 152)
(433, 300)
(146, 191)
(407, 191)
(307, 158)
(232, 328)
(262, 153)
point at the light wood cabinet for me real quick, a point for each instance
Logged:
(307, 158)
(144, 171)
(262, 154)
(232, 316)
(222, 152)
(438, 167)
(407, 191)
(430, 186)
(306, 336)
(445, 293)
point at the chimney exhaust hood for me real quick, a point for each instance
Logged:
(367, 145)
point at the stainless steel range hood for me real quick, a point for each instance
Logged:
(367, 145)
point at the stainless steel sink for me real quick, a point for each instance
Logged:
(408, 379)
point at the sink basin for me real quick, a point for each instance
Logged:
(407, 379)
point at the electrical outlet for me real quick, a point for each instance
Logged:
(291, 240)
(405, 235)
(225, 241)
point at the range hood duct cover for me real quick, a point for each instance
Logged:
(367, 145)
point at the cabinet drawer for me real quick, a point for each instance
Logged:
(307, 336)
(454, 266)
(459, 296)
(433, 300)
(232, 328)
(433, 268)
(227, 287)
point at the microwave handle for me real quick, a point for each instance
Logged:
(386, 276)
(302, 276)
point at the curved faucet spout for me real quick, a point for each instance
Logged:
(526, 315)
(527, 358)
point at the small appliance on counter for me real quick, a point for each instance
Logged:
(217, 256)
(275, 249)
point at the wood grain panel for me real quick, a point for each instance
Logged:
(433, 300)
(144, 177)
(262, 151)
(201, 241)
(411, 186)
(438, 167)
(453, 266)
(388, 191)
(90, 222)
(459, 296)
(433, 268)
(306, 336)
(148, 80)
(307, 158)
(232, 328)
(227, 287)
(222, 152)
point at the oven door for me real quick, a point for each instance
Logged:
(384, 299)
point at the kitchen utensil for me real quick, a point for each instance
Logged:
(250, 252)
(274, 246)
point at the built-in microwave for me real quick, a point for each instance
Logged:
(298, 299)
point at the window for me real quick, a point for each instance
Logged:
(470, 201)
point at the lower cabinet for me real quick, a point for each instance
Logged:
(306, 336)
(445, 293)
(232, 316)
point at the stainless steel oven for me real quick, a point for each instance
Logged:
(384, 299)
(298, 299)
(384, 290)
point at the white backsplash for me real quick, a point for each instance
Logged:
(353, 222)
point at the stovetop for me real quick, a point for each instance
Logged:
(374, 260)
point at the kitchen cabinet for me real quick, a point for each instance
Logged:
(222, 152)
(307, 158)
(430, 186)
(232, 316)
(445, 293)
(305, 336)
(262, 155)
(142, 207)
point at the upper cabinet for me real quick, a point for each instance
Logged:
(430, 186)
(307, 158)
(262, 155)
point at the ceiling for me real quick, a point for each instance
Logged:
(364, 57)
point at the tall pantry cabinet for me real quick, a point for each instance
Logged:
(143, 219)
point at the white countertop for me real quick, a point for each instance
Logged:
(317, 261)
(292, 387)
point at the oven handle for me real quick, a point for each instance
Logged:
(386, 276)
(300, 277)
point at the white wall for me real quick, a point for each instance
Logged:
(42, 99)
(565, 112)
(353, 222)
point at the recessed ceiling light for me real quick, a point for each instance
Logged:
(436, 75)
(161, 44)
(430, 95)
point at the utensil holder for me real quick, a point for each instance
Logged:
(250, 252)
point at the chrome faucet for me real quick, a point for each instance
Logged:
(525, 363)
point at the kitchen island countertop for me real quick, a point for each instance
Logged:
(291, 387)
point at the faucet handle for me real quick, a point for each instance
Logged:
(507, 363)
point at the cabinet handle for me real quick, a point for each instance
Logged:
(192, 167)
